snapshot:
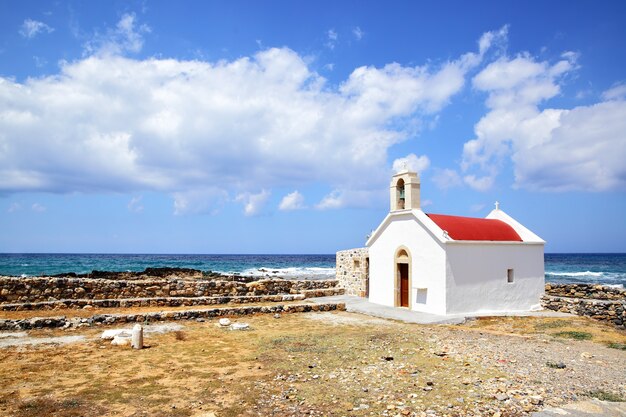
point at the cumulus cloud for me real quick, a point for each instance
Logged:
(253, 203)
(358, 33)
(127, 36)
(551, 149)
(411, 162)
(292, 201)
(31, 28)
(208, 131)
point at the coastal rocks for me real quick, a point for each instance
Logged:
(128, 275)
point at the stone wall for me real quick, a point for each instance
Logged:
(596, 301)
(104, 319)
(41, 289)
(353, 271)
(597, 292)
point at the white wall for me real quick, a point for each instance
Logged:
(477, 277)
(427, 263)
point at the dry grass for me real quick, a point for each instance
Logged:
(577, 328)
(280, 365)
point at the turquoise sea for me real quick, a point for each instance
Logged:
(574, 267)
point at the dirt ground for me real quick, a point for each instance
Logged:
(334, 364)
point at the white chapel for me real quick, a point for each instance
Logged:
(444, 264)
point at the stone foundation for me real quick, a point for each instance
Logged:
(595, 301)
(14, 290)
(352, 271)
(107, 319)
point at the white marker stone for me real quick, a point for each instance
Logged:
(137, 340)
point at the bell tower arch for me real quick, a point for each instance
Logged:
(404, 191)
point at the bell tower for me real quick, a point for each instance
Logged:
(404, 191)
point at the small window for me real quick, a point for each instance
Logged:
(357, 263)
(510, 276)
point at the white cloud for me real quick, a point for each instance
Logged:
(200, 200)
(341, 198)
(127, 36)
(333, 200)
(134, 205)
(550, 149)
(411, 162)
(489, 39)
(207, 131)
(292, 201)
(31, 28)
(358, 33)
(446, 178)
(584, 151)
(617, 92)
(253, 203)
(479, 183)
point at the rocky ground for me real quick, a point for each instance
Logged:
(321, 364)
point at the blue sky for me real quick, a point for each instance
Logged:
(250, 127)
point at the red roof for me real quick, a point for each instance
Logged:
(470, 228)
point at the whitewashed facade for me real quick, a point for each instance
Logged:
(477, 266)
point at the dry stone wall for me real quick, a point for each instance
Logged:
(107, 319)
(597, 292)
(352, 271)
(45, 289)
(596, 301)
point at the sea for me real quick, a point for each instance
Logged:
(596, 268)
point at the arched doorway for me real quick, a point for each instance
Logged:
(402, 269)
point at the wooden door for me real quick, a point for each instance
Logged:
(404, 284)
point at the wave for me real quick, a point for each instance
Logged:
(288, 272)
(576, 274)
(587, 277)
